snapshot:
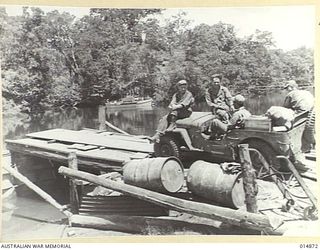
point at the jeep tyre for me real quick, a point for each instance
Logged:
(167, 146)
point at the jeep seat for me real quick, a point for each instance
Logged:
(196, 119)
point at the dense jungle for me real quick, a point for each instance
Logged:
(56, 60)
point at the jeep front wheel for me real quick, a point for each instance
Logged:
(167, 146)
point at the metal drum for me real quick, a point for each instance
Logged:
(162, 174)
(208, 180)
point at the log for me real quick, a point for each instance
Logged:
(74, 198)
(116, 128)
(230, 216)
(143, 224)
(249, 179)
(106, 123)
(37, 190)
(102, 117)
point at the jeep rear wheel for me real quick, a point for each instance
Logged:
(167, 146)
(269, 155)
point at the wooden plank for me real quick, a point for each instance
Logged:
(115, 128)
(104, 163)
(91, 138)
(138, 155)
(143, 224)
(82, 147)
(95, 154)
(234, 217)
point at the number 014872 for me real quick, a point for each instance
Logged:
(309, 246)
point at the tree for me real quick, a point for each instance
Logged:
(39, 52)
(300, 65)
(52, 59)
(109, 52)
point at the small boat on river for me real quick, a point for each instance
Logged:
(133, 96)
(131, 102)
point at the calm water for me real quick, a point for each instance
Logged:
(137, 121)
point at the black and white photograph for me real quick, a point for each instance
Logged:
(130, 121)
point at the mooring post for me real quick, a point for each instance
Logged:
(102, 117)
(249, 179)
(74, 199)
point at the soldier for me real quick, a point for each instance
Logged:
(302, 100)
(219, 99)
(218, 127)
(180, 107)
(297, 99)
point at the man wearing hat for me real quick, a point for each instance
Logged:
(218, 127)
(219, 98)
(302, 100)
(180, 107)
(297, 99)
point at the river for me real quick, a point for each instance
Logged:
(137, 121)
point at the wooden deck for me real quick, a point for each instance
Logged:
(96, 138)
(104, 150)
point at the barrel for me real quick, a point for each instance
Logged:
(209, 181)
(161, 174)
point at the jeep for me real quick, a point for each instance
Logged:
(188, 142)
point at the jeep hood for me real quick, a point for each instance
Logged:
(195, 120)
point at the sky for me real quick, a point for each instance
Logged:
(291, 26)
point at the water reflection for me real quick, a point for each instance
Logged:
(134, 121)
(258, 105)
(16, 126)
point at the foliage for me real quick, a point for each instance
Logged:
(36, 62)
(53, 59)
